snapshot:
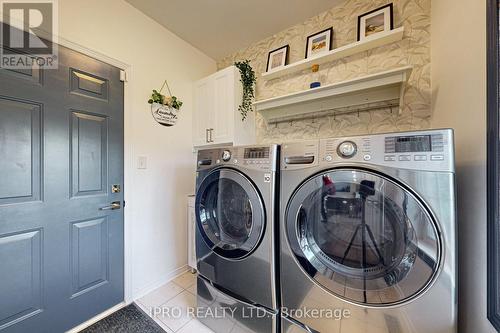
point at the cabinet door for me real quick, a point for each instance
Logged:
(203, 110)
(224, 106)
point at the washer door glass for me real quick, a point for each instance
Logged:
(229, 213)
(363, 237)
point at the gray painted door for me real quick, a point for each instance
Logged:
(61, 150)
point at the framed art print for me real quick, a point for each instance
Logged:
(319, 42)
(277, 58)
(375, 22)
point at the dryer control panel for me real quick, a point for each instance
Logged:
(430, 150)
(250, 157)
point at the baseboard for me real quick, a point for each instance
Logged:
(97, 318)
(159, 282)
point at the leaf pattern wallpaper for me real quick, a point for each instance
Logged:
(413, 50)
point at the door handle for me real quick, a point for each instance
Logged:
(299, 159)
(114, 205)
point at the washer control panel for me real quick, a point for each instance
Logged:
(252, 157)
(421, 150)
(430, 150)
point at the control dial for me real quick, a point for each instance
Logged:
(226, 155)
(347, 149)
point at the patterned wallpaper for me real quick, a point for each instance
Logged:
(413, 50)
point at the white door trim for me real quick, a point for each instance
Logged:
(93, 53)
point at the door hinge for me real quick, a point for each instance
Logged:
(123, 203)
(123, 75)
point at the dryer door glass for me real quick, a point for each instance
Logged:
(229, 213)
(364, 237)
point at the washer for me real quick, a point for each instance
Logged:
(235, 210)
(368, 234)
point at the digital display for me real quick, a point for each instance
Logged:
(256, 152)
(411, 144)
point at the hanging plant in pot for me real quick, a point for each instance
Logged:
(248, 80)
(165, 109)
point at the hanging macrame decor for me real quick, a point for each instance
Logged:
(165, 108)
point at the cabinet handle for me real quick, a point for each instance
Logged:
(206, 135)
(211, 132)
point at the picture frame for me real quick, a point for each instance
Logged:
(277, 58)
(376, 21)
(319, 42)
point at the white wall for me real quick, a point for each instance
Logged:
(155, 197)
(459, 101)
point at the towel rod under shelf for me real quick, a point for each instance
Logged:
(337, 112)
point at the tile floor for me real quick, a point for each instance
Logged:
(180, 293)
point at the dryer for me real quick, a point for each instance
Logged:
(235, 208)
(368, 234)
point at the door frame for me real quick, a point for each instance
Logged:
(493, 148)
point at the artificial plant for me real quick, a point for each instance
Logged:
(170, 100)
(248, 80)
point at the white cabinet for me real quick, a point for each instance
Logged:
(216, 119)
(203, 111)
(191, 227)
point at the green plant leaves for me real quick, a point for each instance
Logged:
(157, 97)
(248, 80)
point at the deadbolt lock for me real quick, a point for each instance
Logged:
(115, 188)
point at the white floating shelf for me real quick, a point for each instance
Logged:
(372, 42)
(354, 95)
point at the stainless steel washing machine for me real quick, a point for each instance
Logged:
(368, 234)
(235, 210)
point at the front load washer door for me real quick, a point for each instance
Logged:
(229, 213)
(363, 237)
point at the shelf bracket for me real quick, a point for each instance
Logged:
(402, 94)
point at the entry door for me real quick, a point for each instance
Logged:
(61, 150)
